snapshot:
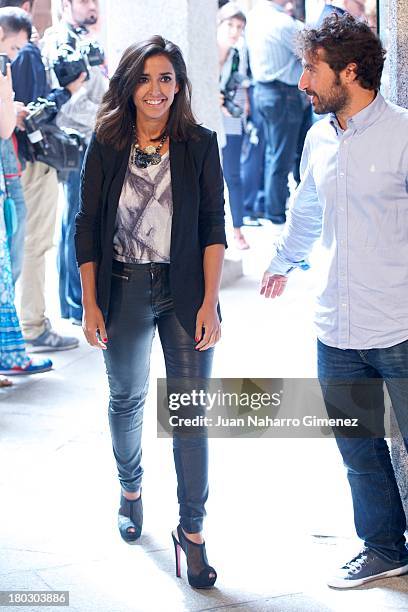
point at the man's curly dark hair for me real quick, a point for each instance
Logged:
(346, 40)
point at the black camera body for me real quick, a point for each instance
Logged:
(50, 144)
(229, 84)
(41, 111)
(72, 61)
(229, 92)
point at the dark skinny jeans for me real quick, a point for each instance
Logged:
(140, 302)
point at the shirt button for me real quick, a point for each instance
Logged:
(341, 174)
(342, 242)
(344, 305)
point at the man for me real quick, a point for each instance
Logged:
(40, 187)
(79, 113)
(353, 194)
(276, 69)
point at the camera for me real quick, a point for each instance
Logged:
(41, 111)
(72, 61)
(54, 146)
(229, 92)
(229, 85)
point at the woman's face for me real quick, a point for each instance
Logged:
(157, 87)
(229, 31)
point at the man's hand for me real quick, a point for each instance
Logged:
(21, 112)
(76, 85)
(273, 285)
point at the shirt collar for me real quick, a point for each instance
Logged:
(364, 118)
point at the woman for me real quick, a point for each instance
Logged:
(13, 357)
(150, 245)
(233, 61)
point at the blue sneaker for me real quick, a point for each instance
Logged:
(33, 367)
(366, 566)
(49, 341)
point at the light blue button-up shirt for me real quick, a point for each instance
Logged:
(354, 196)
(271, 34)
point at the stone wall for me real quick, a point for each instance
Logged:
(398, 93)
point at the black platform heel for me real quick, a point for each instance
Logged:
(200, 575)
(130, 516)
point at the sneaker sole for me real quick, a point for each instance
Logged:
(350, 584)
(49, 349)
(24, 372)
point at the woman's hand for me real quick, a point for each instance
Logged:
(93, 326)
(6, 85)
(207, 317)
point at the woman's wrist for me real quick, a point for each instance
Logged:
(211, 301)
(89, 302)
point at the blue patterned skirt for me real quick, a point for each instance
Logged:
(12, 345)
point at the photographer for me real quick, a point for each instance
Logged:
(66, 44)
(40, 187)
(234, 106)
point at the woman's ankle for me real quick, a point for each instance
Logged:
(197, 538)
(131, 495)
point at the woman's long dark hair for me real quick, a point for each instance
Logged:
(116, 115)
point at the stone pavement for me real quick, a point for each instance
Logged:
(279, 512)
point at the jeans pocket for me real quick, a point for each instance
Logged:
(121, 276)
(270, 105)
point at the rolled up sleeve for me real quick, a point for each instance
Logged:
(87, 221)
(305, 223)
(211, 221)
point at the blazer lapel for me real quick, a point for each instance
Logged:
(120, 166)
(177, 155)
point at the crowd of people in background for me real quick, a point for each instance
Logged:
(265, 118)
(29, 186)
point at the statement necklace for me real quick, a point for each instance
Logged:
(149, 156)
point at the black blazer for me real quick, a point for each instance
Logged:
(198, 216)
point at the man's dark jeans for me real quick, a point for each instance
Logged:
(378, 512)
(69, 280)
(231, 163)
(140, 302)
(280, 106)
(253, 164)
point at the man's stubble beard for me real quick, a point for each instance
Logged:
(335, 101)
(90, 21)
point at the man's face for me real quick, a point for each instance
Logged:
(83, 12)
(12, 42)
(326, 89)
